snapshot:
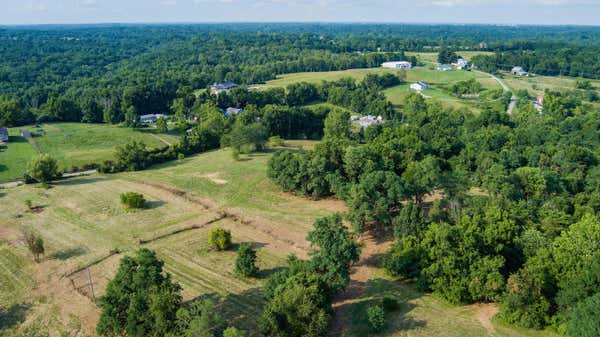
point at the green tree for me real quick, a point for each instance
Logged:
(410, 221)
(333, 250)
(376, 317)
(219, 238)
(161, 125)
(233, 332)
(141, 300)
(43, 169)
(245, 263)
(375, 199)
(298, 308)
(34, 243)
(132, 156)
(201, 319)
(585, 320)
(133, 200)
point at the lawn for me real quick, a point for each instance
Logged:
(536, 85)
(81, 220)
(14, 156)
(413, 75)
(432, 57)
(73, 144)
(422, 314)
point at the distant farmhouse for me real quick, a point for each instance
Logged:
(3, 135)
(233, 111)
(518, 71)
(218, 88)
(369, 120)
(461, 64)
(397, 65)
(444, 67)
(419, 86)
(26, 133)
(151, 118)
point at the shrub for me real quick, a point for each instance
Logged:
(275, 141)
(34, 243)
(233, 332)
(376, 316)
(245, 264)
(389, 304)
(180, 156)
(219, 239)
(43, 169)
(28, 204)
(133, 200)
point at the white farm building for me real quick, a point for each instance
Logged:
(397, 65)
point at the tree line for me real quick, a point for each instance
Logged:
(488, 207)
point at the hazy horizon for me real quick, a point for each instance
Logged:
(495, 12)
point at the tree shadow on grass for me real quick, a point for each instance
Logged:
(14, 315)
(241, 310)
(77, 181)
(154, 204)
(374, 292)
(68, 253)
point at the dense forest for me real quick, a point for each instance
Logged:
(488, 208)
(98, 73)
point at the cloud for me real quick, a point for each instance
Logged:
(168, 3)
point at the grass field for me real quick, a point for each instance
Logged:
(72, 144)
(81, 220)
(14, 156)
(536, 85)
(396, 94)
(432, 57)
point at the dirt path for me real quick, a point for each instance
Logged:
(360, 274)
(34, 144)
(513, 99)
(484, 314)
(161, 139)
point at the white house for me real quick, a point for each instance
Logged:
(518, 71)
(444, 67)
(461, 64)
(151, 118)
(369, 120)
(419, 86)
(397, 65)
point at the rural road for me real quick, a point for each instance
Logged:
(16, 183)
(513, 99)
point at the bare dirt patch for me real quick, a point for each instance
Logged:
(484, 312)
(214, 177)
(360, 274)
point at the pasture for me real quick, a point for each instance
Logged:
(432, 57)
(82, 221)
(72, 144)
(536, 85)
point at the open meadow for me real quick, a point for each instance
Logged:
(71, 144)
(436, 79)
(83, 224)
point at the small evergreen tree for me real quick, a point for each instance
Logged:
(219, 239)
(376, 317)
(133, 200)
(245, 263)
(43, 169)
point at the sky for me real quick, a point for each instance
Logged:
(561, 12)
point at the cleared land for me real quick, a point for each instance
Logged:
(81, 221)
(437, 79)
(72, 144)
(432, 57)
(14, 156)
(536, 85)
